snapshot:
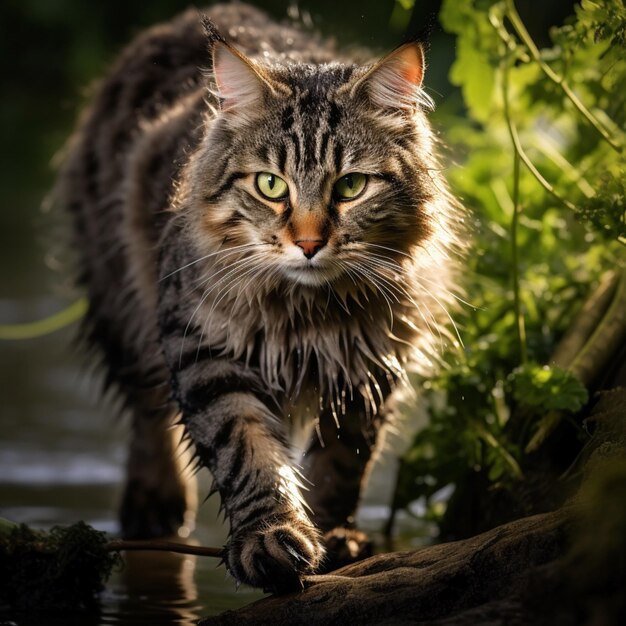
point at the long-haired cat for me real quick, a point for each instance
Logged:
(264, 237)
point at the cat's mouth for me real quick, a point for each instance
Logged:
(312, 274)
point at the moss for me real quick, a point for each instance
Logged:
(62, 569)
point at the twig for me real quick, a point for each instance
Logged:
(118, 545)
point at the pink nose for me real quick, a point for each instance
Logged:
(310, 247)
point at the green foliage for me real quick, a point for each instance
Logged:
(62, 569)
(542, 234)
(547, 388)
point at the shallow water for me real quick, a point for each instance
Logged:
(61, 460)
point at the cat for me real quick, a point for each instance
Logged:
(267, 244)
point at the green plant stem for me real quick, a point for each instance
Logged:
(491, 440)
(519, 318)
(523, 34)
(518, 146)
(32, 330)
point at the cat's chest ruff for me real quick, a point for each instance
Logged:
(313, 350)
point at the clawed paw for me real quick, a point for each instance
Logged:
(274, 555)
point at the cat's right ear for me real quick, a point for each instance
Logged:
(238, 80)
(239, 84)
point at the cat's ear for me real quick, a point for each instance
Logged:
(238, 80)
(239, 83)
(395, 81)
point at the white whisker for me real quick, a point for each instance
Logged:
(239, 264)
(208, 256)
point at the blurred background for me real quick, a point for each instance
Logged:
(61, 452)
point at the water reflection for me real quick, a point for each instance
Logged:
(161, 582)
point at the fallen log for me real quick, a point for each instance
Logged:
(560, 568)
(418, 586)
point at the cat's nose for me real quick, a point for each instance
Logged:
(310, 247)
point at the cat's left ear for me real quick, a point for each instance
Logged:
(395, 81)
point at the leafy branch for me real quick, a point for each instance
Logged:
(522, 32)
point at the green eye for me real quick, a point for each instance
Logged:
(349, 186)
(271, 186)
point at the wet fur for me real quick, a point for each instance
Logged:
(242, 341)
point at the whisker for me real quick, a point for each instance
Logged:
(207, 293)
(213, 274)
(220, 298)
(381, 289)
(393, 265)
(394, 250)
(445, 310)
(403, 291)
(207, 256)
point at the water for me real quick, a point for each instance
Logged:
(61, 460)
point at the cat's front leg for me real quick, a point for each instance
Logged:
(272, 541)
(232, 421)
(336, 463)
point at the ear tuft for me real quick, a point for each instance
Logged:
(395, 81)
(210, 30)
(239, 83)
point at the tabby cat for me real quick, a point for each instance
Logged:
(264, 236)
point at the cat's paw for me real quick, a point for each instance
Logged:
(275, 554)
(345, 546)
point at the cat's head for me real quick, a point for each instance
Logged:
(319, 172)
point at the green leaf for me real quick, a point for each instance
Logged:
(472, 72)
(547, 388)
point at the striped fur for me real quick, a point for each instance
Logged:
(203, 302)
